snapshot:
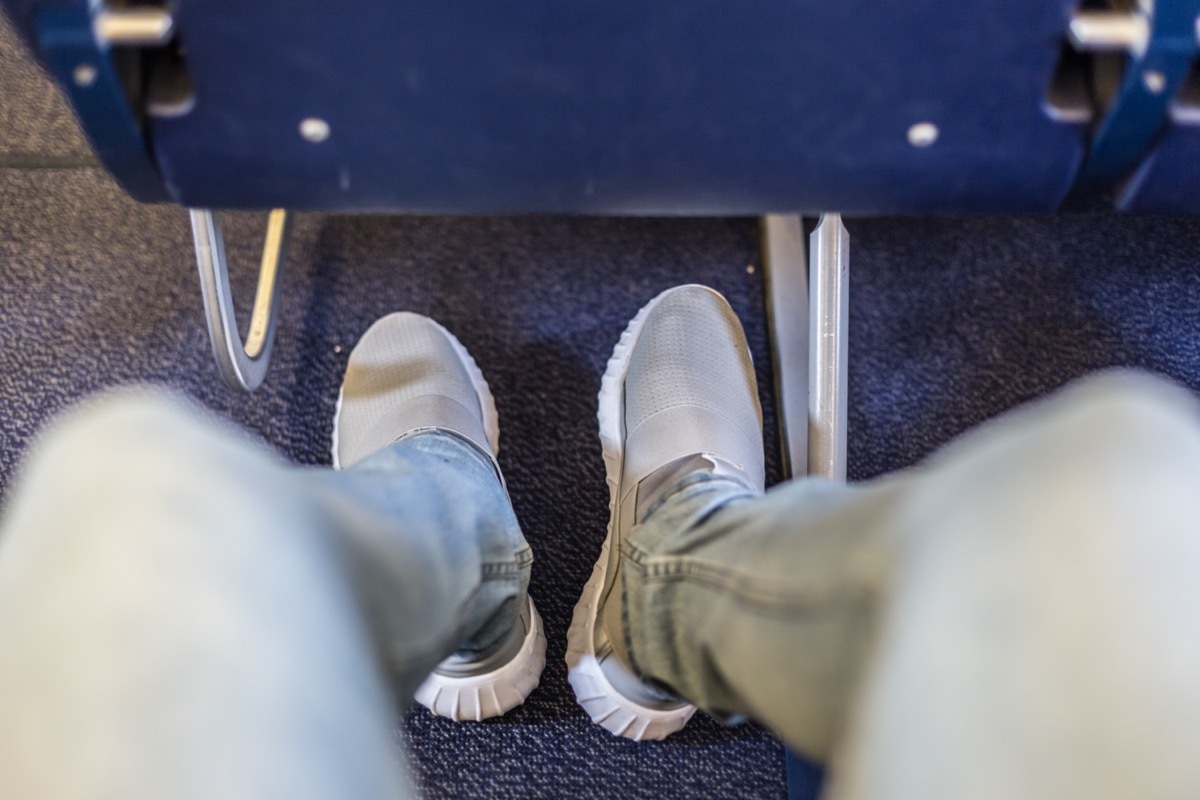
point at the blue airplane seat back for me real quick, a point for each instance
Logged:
(604, 106)
(616, 106)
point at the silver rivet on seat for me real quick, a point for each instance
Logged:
(923, 134)
(314, 129)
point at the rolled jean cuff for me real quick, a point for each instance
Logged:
(672, 527)
(505, 557)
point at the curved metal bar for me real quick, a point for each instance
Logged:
(242, 366)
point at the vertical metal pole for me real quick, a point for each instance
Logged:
(785, 262)
(829, 285)
(807, 319)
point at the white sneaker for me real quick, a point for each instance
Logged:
(679, 395)
(409, 374)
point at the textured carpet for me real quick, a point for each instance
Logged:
(98, 291)
(952, 321)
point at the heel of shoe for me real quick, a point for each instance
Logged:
(622, 706)
(465, 695)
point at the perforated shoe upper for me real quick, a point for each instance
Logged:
(690, 389)
(405, 373)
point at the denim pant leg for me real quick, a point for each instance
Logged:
(433, 547)
(1016, 617)
(749, 605)
(182, 615)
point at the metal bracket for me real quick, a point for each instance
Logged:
(808, 319)
(82, 64)
(1160, 39)
(133, 27)
(785, 261)
(828, 334)
(242, 366)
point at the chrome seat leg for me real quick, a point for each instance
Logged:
(243, 366)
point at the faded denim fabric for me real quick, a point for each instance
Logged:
(1019, 616)
(182, 615)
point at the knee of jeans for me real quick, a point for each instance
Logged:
(97, 440)
(1111, 445)
(1107, 450)
(1122, 419)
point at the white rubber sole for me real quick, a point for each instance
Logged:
(493, 693)
(479, 697)
(604, 703)
(491, 420)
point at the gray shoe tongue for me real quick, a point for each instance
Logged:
(652, 488)
(430, 411)
(683, 432)
(438, 411)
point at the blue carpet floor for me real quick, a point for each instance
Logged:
(952, 322)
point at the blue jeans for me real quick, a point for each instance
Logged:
(1017, 617)
(182, 615)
